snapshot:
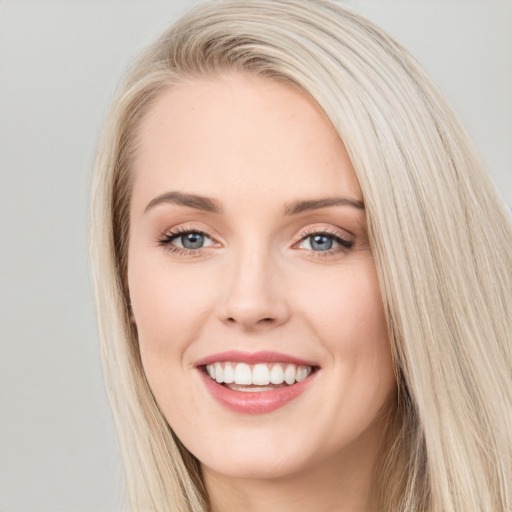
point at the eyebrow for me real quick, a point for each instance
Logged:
(210, 205)
(315, 204)
(198, 202)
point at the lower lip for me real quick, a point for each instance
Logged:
(257, 402)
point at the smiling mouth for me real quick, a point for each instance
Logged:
(258, 377)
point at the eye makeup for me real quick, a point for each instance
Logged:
(319, 241)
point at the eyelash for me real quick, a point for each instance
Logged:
(167, 239)
(344, 244)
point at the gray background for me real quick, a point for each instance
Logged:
(60, 62)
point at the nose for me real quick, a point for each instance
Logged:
(254, 297)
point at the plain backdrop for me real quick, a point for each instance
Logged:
(59, 64)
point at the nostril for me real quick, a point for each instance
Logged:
(262, 320)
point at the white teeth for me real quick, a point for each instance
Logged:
(219, 373)
(229, 373)
(261, 374)
(243, 374)
(302, 373)
(277, 374)
(289, 374)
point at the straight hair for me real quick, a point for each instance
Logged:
(440, 234)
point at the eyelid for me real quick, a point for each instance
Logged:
(188, 229)
(317, 230)
(185, 228)
(345, 241)
(166, 240)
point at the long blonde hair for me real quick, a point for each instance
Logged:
(440, 235)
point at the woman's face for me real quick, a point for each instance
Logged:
(249, 260)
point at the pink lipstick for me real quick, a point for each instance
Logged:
(255, 383)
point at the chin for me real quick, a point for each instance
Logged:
(264, 466)
(259, 455)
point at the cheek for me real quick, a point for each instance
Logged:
(347, 315)
(345, 307)
(170, 310)
(169, 306)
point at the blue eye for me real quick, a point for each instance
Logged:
(323, 242)
(320, 242)
(192, 240)
(189, 240)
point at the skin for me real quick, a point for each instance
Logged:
(254, 146)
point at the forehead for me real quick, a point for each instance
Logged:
(240, 135)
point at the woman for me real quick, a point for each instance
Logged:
(303, 273)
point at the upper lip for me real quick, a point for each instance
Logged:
(263, 356)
